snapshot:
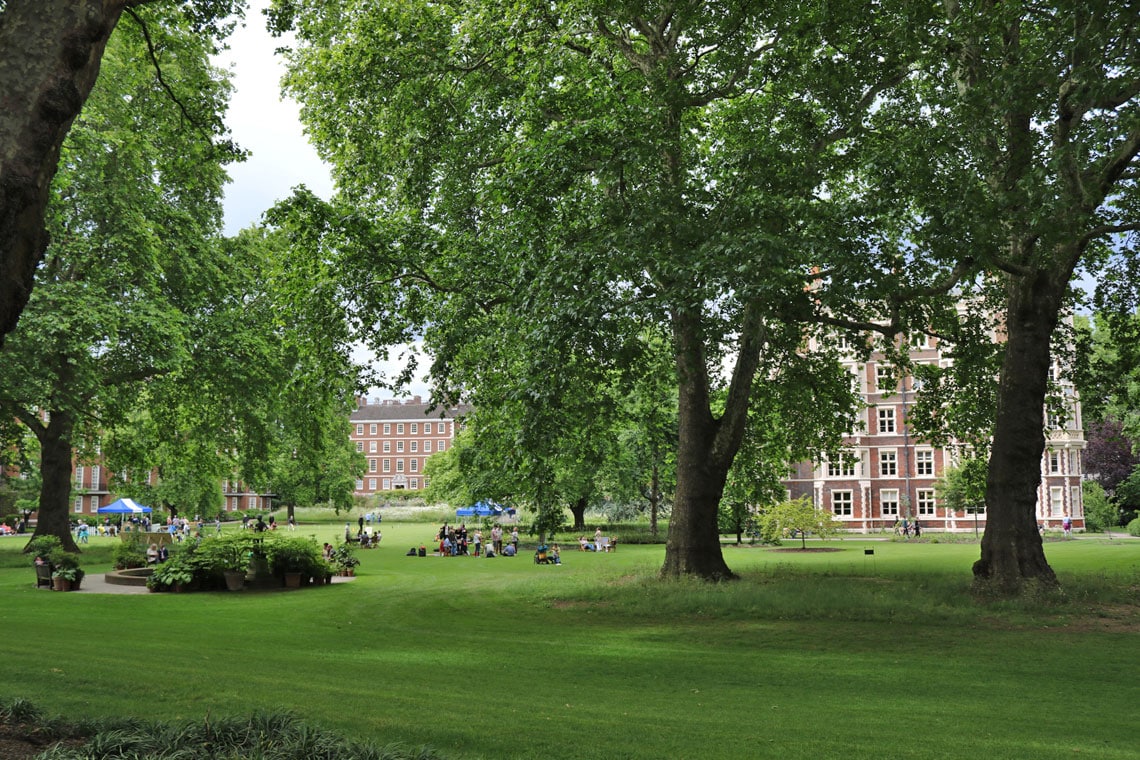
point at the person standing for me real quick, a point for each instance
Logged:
(497, 538)
(515, 539)
(598, 539)
(292, 523)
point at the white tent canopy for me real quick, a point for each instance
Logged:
(123, 507)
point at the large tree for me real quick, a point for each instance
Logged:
(1020, 148)
(556, 176)
(50, 55)
(131, 260)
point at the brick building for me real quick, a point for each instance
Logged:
(397, 437)
(889, 473)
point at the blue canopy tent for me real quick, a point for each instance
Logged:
(123, 507)
(484, 509)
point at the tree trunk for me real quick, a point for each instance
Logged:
(1012, 551)
(578, 509)
(654, 499)
(50, 52)
(705, 448)
(55, 486)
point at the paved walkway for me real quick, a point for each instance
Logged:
(96, 583)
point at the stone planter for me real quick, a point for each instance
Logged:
(235, 580)
(292, 580)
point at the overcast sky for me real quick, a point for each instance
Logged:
(269, 127)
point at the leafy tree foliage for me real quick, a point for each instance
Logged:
(50, 55)
(797, 517)
(531, 186)
(1101, 513)
(1018, 148)
(134, 205)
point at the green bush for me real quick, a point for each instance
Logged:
(1134, 528)
(129, 553)
(295, 555)
(227, 552)
(42, 546)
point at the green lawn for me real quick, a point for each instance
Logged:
(835, 654)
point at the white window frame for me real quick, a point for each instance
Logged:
(847, 502)
(372, 429)
(427, 447)
(889, 502)
(886, 420)
(415, 430)
(387, 465)
(924, 462)
(372, 465)
(888, 463)
(926, 501)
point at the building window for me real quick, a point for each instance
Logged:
(372, 429)
(399, 447)
(887, 420)
(844, 468)
(78, 504)
(888, 463)
(415, 483)
(94, 504)
(387, 465)
(387, 447)
(841, 503)
(924, 462)
(360, 428)
(360, 446)
(414, 465)
(79, 475)
(427, 447)
(919, 340)
(95, 476)
(885, 380)
(415, 446)
(926, 501)
(399, 465)
(399, 428)
(889, 502)
(372, 465)
(372, 484)
(387, 484)
(360, 484)
(387, 428)
(442, 445)
(1054, 462)
(372, 447)
(416, 428)
(1056, 501)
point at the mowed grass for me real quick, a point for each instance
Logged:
(837, 654)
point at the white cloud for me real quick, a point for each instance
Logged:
(266, 125)
(269, 127)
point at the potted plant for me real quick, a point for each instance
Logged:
(176, 574)
(293, 559)
(344, 556)
(228, 556)
(65, 571)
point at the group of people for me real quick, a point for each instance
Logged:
(906, 528)
(459, 541)
(366, 536)
(600, 543)
(156, 555)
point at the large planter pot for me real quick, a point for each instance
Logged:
(235, 580)
(60, 584)
(292, 580)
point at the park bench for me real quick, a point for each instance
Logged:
(43, 576)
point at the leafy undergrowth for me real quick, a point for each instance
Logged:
(28, 734)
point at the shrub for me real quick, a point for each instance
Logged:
(129, 553)
(1134, 528)
(295, 555)
(43, 546)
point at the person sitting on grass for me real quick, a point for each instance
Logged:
(509, 550)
